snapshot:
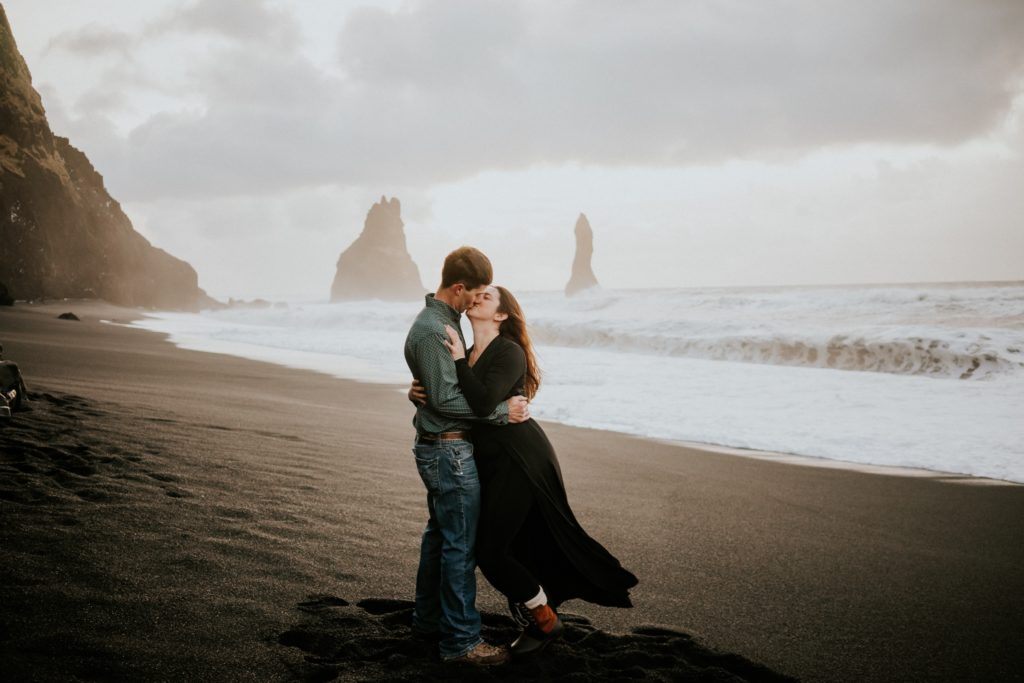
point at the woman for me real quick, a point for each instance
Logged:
(529, 544)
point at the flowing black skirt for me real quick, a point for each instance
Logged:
(551, 543)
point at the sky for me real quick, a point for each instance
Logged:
(709, 143)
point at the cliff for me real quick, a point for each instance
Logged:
(377, 265)
(582, 277)
(61, 233)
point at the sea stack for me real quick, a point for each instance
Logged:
(61, 234)
(582, 277)
(377, 265)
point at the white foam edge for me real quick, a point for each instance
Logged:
(829, 463)
(774, 456)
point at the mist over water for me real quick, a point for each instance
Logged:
(917, 376)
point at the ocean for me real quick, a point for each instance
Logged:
(920, 376)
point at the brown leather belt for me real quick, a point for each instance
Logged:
(443, 436)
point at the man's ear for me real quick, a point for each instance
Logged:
(458, 288)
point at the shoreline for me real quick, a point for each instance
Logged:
(801, 460)
(268, 354)
(184, 488)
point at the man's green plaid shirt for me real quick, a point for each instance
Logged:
(431, 363)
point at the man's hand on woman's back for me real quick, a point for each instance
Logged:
(518, 406)
(518, 410)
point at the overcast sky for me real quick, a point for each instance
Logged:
(709, 143)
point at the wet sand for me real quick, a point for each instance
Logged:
(170, 514)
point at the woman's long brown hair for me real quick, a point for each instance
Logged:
(514, 327)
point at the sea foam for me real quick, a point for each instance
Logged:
(913, 376)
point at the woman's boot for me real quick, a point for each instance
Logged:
(543, 627)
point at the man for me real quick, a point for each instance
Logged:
(446, 580)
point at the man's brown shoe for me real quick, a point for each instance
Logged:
(483, 655)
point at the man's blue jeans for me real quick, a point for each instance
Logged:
(446, 580)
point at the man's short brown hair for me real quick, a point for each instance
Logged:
(468, 266)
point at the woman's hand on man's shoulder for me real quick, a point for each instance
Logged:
(454, 343)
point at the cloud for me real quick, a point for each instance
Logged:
(675, 82)
(92, 41)
(102, 101)
(245, 21)
(438, 91)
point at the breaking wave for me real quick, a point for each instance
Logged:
(951, 332)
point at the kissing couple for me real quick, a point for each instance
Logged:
(495, 495)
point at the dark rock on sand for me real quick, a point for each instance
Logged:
(5, 297)
(377, 265)
(582, 277)
(372, 641)
(68, 316)
(61, 234)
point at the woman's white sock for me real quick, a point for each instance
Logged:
(537, 600)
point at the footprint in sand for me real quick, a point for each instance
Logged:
(372, 640)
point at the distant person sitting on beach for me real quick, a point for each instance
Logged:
(12, 387)
(529, 544)
(446, 580)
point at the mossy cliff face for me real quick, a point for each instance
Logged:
(61, 234)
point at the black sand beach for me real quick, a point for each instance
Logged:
(170, 514)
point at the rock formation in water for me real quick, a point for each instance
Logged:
(61, 234)
(377, 265)
(582, 277)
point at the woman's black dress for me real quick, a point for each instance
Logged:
(527, 532)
